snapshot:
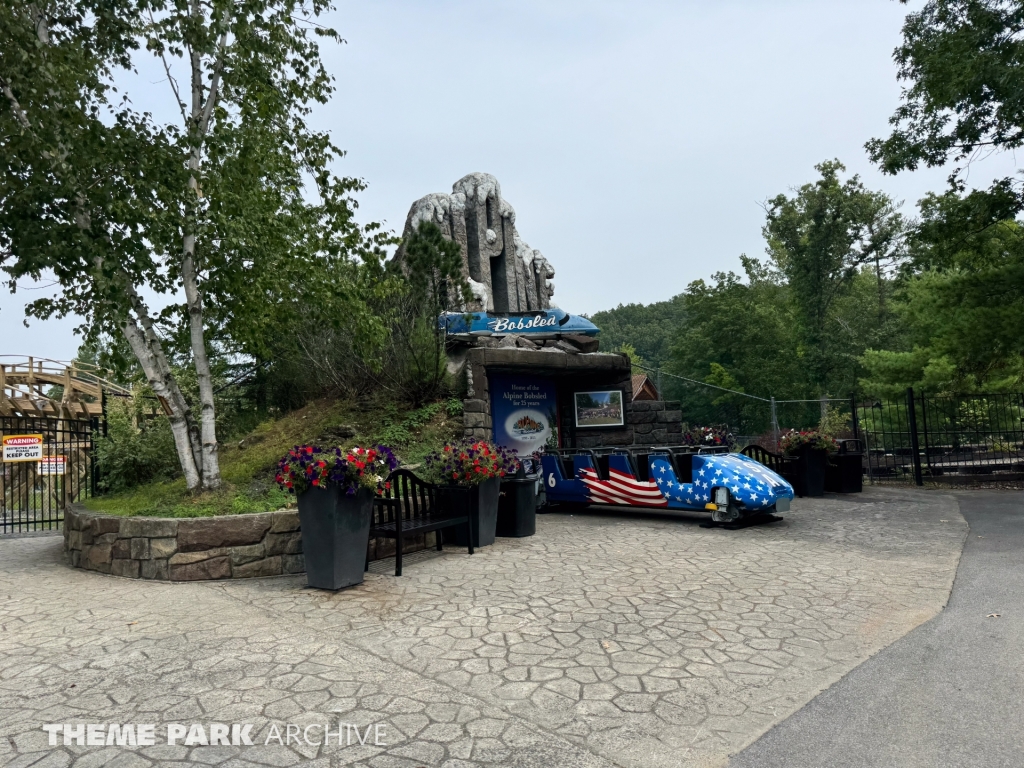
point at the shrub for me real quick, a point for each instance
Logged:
(135, 449)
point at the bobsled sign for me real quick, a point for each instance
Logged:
(22, 447)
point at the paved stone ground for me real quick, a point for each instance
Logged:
(604, 640)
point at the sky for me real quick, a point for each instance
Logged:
(635, 140)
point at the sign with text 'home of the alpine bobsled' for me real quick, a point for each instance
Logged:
(22, 447)
(524, 412)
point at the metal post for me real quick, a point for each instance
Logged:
(853, 416)
(924, 432)
(775, 425)
(914, 448)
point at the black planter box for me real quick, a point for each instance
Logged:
(335, 536)
(517, 508)
(809, 472)
(480, 502)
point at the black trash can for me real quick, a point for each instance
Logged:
(517, 505)
(845, 473)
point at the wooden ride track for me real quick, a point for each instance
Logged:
(37, 387)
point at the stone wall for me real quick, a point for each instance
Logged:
(648, 422)
(186, 549)
(199, 548)
(597, 369)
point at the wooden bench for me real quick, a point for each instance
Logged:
(411, 507)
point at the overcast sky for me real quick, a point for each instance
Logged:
(635, 140)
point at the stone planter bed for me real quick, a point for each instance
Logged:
(184, 549)
(198, 548)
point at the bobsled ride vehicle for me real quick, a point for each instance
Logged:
(732, 487)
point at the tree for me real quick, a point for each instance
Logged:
(110, 201)
(739, 334)
(963, 61)
(963, 65)
(962, 310)
(819, 239)
(651, 330)
(434, 285)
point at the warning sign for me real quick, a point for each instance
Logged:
(52, 465)
(23, 447)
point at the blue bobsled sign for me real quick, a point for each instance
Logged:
(547, 322)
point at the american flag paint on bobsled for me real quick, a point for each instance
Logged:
(621, 488)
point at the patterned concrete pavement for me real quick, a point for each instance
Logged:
(604, 640)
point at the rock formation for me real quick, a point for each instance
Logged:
(504, 273)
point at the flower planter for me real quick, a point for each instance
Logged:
(809, 477)
(335, 535)
(480, 502)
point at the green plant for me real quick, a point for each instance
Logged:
(135, 450)
(833, 422)
(402, 432)
(793, 441)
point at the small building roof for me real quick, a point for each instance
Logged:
(643, 387)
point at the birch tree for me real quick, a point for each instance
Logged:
(117, 205)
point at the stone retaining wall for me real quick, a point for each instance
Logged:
(186, 549)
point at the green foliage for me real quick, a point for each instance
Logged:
(819, 239)
(136, 449)
(249, 465)
(746, 330)
(436, 282)
(793, 441)
(834, 422)
(232, 216)
(400, 432)
(963, 65)
(649, 330)
(415, 362)
(630, 351)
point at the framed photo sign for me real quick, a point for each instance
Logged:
(599, 409)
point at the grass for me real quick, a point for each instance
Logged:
(248, 465)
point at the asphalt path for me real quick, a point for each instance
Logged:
(949, 693)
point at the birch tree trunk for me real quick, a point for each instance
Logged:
(144, 341)
(201, 113)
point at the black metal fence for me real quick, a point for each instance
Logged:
(956, 438)
(33, 494)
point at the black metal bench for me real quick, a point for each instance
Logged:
(411, 507)
(780, 464)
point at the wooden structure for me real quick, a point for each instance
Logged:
(643, 388)
(32, 387)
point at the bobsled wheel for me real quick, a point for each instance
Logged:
(727, 511)
(728, 515)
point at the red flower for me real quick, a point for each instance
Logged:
(315, 481)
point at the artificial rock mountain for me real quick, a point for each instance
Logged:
(504, 273)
